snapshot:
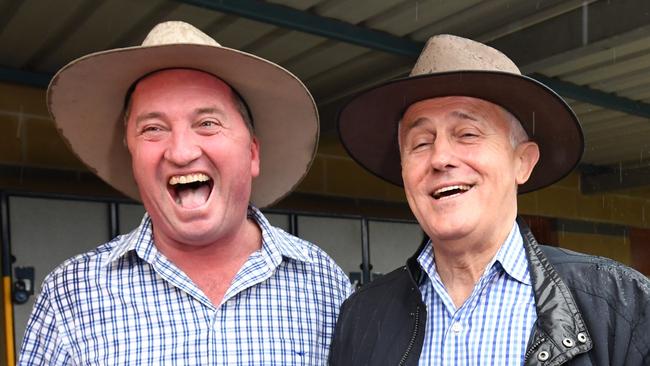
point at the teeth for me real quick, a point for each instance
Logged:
(462, 187)
(189, 178)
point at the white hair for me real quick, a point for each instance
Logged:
(517, 132)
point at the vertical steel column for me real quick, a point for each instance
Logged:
(113, 221)
(293, 224)
(365, 252)
(7, 283)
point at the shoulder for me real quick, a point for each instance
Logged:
(81, 267)
(597, 279)
(575, 266)
(296, 248)
(306, 255)
(394, 284)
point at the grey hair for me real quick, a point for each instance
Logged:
(517, 133)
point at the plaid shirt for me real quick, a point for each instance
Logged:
(126, 304)
(492, 327)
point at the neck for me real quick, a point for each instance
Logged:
(224, 250)
(460, 263)
(212, 267)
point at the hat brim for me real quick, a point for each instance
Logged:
(86, 99)
(368, 123)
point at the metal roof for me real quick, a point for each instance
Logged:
(595, 53)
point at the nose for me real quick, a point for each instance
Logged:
(442, 155)
(183, 149)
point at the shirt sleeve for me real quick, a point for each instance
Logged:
(43, 343)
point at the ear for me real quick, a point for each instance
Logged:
(527, 155)
(255, 157)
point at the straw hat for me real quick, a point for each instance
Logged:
(86, 100)
(455, 66)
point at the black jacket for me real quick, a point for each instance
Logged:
(591, 311)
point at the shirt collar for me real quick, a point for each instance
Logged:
(511, 257)
(139, 240)
(274, 247)
(274, 241)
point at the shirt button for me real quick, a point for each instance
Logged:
(456, 327)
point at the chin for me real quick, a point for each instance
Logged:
(449, 229)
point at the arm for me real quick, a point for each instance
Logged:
(43, 344)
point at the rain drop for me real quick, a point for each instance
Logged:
(416, 11)
(533, 123)
(620, 172)
(643, 213)
(585, 24)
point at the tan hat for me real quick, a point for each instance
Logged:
(86, 100)
(455, 66)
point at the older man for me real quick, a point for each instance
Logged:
(179, 123)
(464, 133)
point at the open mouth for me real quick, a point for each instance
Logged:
(191, 190)
(450, 191)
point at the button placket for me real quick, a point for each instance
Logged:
(456, 327)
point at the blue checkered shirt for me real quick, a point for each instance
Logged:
(126, 304)
(492, 327)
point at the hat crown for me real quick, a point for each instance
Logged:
(174, 32)
(444, 53)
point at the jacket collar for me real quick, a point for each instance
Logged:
(560, 332)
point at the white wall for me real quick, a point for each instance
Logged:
(340, 238)
(391, 243)
(45, 232)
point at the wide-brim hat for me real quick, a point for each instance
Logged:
(86, 99)
(455, 66)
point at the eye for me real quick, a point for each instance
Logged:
(208, 123)
(468, 134)
(421, 143)
(151, 131)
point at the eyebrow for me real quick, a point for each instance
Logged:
(463, 115)
(458, 114)
(160, 115)
(417, 123)
(151, 115)
(207, 110)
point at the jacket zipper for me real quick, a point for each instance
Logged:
(532, 348)
(402, 361)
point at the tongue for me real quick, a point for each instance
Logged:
(193, 197)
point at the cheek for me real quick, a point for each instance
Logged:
(144, 160)
(414, 167)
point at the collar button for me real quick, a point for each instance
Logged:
(568, 342)
(582, 338)
(543, 355)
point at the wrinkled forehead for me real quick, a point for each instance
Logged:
(182, 78)
(458, 106)
(455, 108)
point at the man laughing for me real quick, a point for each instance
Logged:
(202, 135)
